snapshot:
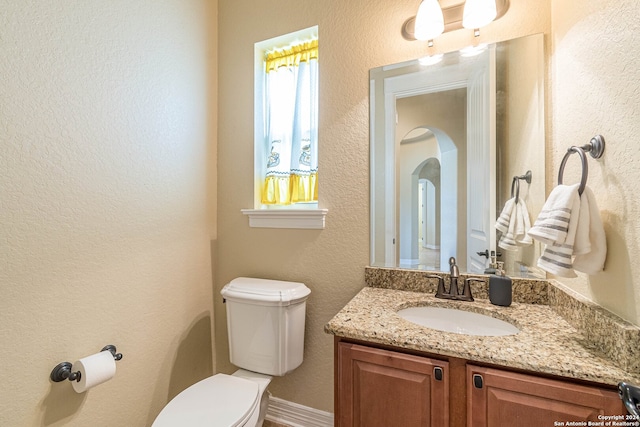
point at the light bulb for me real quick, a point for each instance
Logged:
(478, 13)
(429, 20)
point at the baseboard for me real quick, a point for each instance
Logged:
(295, 415)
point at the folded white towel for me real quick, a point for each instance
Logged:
(556, 226)
(582, 244)
(514, 224)
(523, 238)
(578, 233)
(592, 260)
(552, 224)
(507, 240)
(502, 223)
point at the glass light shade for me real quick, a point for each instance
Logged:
(473, 50)
(478, 13)
(431, 60)
(429, 20)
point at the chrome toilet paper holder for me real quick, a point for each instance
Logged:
(63, 371)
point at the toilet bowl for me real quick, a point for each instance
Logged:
(265, 323)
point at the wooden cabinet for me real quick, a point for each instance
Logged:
(377, 387)
(381, 388)
(498, 398)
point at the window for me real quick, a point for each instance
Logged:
(286, 132)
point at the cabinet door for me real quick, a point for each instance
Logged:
(499, 398)
(380, 388)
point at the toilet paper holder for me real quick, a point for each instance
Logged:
(62, 371)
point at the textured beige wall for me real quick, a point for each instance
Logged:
(596, 90)
(355, 36)
(106, 168)
(106, 204)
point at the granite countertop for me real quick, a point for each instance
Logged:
(546, 343)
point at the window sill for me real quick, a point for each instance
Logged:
(286, 218)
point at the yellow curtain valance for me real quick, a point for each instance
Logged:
(291, 189)
(292, 56)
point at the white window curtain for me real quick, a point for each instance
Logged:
(292, 126)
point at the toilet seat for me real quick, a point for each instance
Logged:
(218, 401)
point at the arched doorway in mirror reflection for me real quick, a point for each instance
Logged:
(428, 193)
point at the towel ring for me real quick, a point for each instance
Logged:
(585, 167)
(595, 147)
(516, 183)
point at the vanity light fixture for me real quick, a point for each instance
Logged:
(456, 14)
(429, 22)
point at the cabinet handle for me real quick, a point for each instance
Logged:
(438, 373)
(477, 381)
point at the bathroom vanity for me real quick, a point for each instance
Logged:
(563, 364)
(379, 387)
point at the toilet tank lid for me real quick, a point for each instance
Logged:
(272, 292)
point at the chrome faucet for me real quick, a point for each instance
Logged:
(455, 275)
(453, 293)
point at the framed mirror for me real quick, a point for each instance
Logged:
(446, 141)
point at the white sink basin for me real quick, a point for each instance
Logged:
(458, 321)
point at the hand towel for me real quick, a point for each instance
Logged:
(523, 239)
(556, 226)
(582, 245)
(502, 223)
(514, 224)
(552, 224)
(591, 261)
(507, 240)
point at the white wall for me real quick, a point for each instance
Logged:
(107, 189)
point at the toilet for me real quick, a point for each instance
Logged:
(265, 324)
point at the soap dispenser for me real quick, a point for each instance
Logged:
(492, 264)
(500, 292)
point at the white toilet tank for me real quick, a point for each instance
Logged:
(265, 323)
